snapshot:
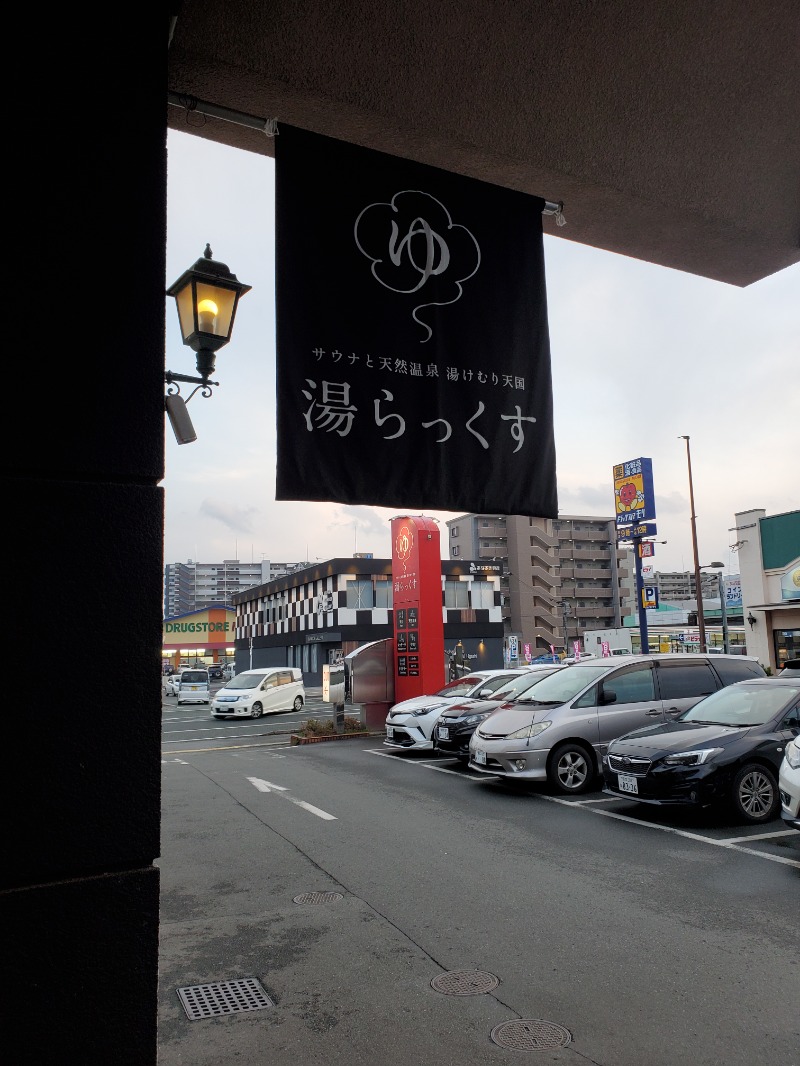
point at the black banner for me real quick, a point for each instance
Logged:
(413, 353)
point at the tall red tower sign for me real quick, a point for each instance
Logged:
(418, 615)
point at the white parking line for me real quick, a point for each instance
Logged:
(761, 836)
(677, 832)
(732, 844)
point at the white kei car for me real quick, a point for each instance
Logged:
(409, 724)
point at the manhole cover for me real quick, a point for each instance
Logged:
(464, 982)
(530, 1035)
(223, 997)
(318, 897)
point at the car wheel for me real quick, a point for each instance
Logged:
(571, 769)
(755, 794)
(257, 710)
(298, 703)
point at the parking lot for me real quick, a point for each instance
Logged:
(645, 938)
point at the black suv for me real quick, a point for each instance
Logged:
(456, 725)
(215, 671)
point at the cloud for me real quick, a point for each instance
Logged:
(237, 519)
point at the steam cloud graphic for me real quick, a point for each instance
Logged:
(412, 240)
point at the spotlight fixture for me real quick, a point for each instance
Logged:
(751, 619)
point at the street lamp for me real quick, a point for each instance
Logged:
(726, 644)
(701, 626)
(206, 295)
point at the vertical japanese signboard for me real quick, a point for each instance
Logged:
(635, 509)
(413, 351)
(417, 605)
(633, 492)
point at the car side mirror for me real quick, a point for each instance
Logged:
(608, 696)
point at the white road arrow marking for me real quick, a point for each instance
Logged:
(266, 786)
(314, 810)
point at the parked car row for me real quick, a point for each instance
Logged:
(665, 729)
(410, 723)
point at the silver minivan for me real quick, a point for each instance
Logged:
(255, 692)
(561, 731)
(193, 686)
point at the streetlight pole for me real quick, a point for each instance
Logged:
(701, 625)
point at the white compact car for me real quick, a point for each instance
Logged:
(789, 784)
(255, 692)
(410, 723)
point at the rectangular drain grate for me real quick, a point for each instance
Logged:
(223, 997)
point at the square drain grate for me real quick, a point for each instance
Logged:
(223, 997)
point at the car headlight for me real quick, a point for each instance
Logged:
(528, 731)
(427, 710)
(473, 719)
(692, 758)
(792, 754)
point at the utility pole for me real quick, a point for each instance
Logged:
(701, 625)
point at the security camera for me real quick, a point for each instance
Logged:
(179, 419)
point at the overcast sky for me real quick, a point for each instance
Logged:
(640, 355)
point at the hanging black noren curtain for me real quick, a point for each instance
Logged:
(413, 353)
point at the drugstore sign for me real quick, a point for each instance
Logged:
(214, 627)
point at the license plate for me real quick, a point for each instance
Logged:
(628, 783)
(442, 732)
(480, 757)
(389, 732)
(194, 688)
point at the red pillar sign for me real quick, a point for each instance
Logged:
(417, 602)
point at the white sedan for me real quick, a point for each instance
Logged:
(410, 723)
(789, 784)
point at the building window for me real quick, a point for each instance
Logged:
(482, 595)
(453, 531)
(383, 592)
(455, 550)
(455, 593)
(359, 594)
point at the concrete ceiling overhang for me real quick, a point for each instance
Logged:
(670, 130)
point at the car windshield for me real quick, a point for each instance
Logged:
(245, 681)
(193, 676)
(742, 705)
(515, 689)
(463, 686)
(562, 685)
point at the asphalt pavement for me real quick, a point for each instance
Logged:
(346, 884)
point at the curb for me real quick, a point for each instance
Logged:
(295, 739)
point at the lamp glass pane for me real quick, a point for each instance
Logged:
(215, 309)
(183, 299)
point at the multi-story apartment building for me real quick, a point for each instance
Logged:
(677, 586)
(561, 577)
(192, 586)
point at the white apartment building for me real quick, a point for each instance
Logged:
(192, 585)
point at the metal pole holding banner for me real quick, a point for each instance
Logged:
(643, 635)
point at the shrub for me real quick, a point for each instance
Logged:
(318, 727)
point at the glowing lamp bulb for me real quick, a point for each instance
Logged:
(207, 312)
